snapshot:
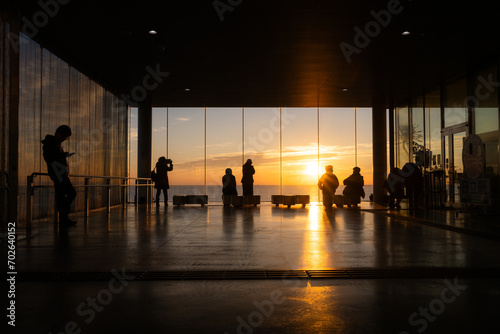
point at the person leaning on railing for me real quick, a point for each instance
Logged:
(57, 167)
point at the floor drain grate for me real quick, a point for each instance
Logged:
(351, 273)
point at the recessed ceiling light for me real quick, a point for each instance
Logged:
(345, 90)
(405, 33)
(152, 32)
(187, 89)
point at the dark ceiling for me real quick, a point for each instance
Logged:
(270, 53)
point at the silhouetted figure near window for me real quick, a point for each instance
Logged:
(394, 186)
(247, 179)
(414, 183)
(57, 167)
(229, 183)
(161, 183)
(328, 183)
(354, 187)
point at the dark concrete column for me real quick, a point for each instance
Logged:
(379, 133)
(144, 131)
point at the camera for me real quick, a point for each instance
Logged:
(169, 161)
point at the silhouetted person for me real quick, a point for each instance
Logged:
(394, 186)
(229, 183)
(414, 183)
(57, 167)
(247, 179)
(161, 183)
(354, 186)
(328, 183)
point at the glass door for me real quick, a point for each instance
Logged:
(453, 143)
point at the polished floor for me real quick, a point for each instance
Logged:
(261, 269)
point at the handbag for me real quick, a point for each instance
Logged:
(153, 176)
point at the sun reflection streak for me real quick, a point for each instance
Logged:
(314, 253)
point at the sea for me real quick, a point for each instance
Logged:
(215, 192)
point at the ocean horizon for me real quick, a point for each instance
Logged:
(265, 191)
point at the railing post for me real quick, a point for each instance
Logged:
(29, 200)
(86, 199)
(56, 212)
(108, 195)
(148, 194)
(136, 192)
(124, 192)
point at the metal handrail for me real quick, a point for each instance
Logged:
(124, 185)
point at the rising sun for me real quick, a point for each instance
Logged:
(312, 169)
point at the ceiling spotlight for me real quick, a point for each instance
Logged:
(152, 32)
(345, 90)
(187, 89)
(405, 33)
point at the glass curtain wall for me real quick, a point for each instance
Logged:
(300, 151)
(438, 130)
(402, 137)
(486, 123)
(224, 149)
(418, 151)
(455, 108)
(51, 94)
(186, 148)
(262, 145)
(433, 130)
(288, 146)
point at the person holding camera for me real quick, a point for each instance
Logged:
(161, 180)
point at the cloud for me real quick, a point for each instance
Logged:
(183, 119)
(161, 129)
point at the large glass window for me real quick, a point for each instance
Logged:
(186, 148)
(455, 109)
(433, 129)
(224, 148)
(486, 103)
(262, 145)
(365, 147)
(289, 147)
(300, 151)
(486, 117)
(337, 141)
(403, 137)
(417, 133)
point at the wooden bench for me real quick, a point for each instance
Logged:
(241, 200)
(190, 199)
(290, 200)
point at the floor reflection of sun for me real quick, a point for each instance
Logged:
(314, 255)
